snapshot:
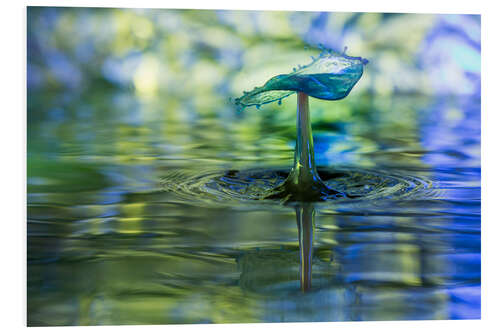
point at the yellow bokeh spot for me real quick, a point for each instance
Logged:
(453, 115)
(142, 28)
(146, 77)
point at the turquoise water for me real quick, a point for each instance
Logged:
(330, 76)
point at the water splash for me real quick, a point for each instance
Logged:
(245, 189)
(330, 76)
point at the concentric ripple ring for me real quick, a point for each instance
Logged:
(233, 187)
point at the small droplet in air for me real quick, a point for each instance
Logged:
(279, 102)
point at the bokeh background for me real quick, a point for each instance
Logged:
(217, 53)
(118, 98)
(135, 68)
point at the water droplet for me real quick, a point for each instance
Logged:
(279, 102)
(258, 107)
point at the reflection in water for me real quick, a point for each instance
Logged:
(305, 224)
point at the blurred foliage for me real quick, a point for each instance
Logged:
(199, 58)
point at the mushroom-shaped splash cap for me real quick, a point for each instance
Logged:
(331, 76)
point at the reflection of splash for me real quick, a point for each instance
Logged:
(278, 270)
(305, 224)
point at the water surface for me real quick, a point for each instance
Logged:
(141, 216)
